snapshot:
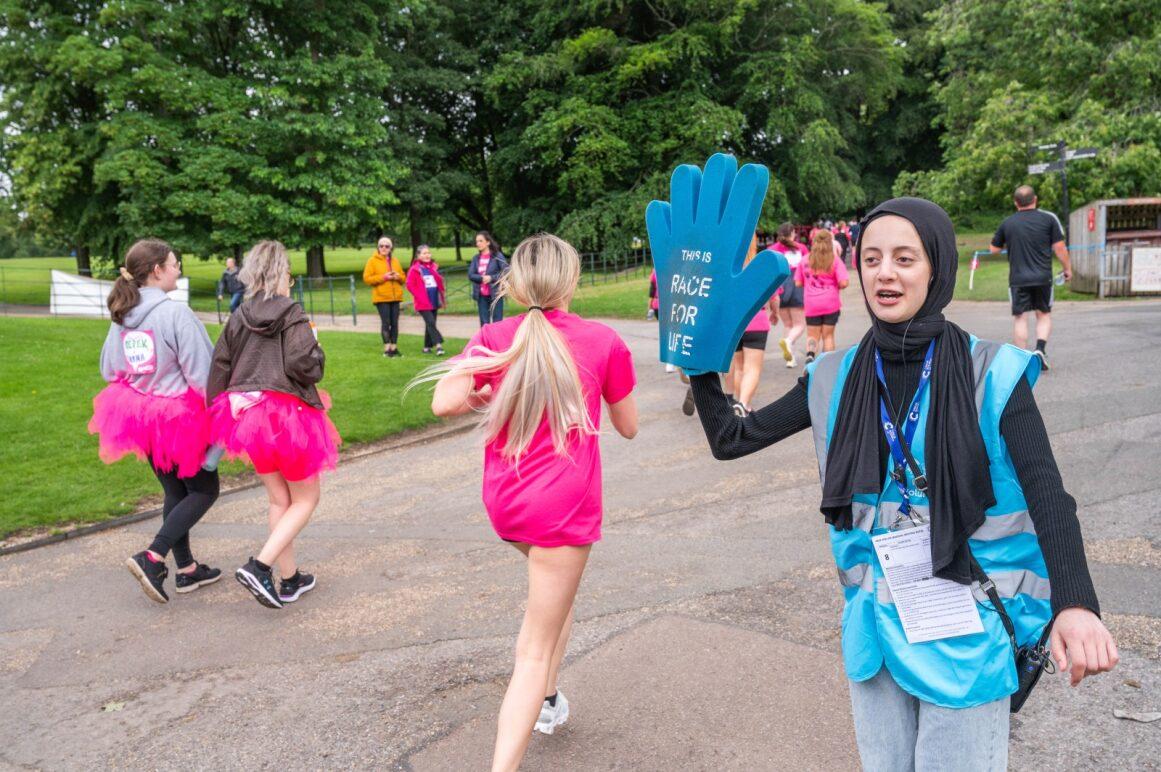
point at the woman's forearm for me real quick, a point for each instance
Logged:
(730, 436)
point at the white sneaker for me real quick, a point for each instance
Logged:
(670, 369)
(792, 362)
(552, 716)
(787, 354)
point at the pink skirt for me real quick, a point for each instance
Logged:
(280, 433)
(166, 431)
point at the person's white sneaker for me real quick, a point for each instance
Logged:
(670, 369)
(792, 362)
(787, 354)
(552, 716)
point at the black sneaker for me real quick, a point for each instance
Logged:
(290, 590)
(260, 583)
(1043, 360)
(809, 357)
(439, 351)
(199, 577)
(687, 406)
(150, 574)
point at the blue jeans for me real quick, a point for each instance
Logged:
(236, 300)
(491, 309)
(900, 733)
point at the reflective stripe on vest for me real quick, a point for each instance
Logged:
(954, 672)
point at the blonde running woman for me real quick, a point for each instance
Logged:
(537, 381)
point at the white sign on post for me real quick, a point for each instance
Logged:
(1146, 273)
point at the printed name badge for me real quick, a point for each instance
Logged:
(429, 281)
(930, 608)
(699, 240)
(140, 351)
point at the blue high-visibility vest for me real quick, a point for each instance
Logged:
(966, 670)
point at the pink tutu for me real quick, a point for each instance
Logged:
(279, 433)
(166, 431)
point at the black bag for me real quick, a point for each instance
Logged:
(1031, 660)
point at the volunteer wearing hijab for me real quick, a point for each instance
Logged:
(974, 470)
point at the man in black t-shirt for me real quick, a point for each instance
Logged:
(1032, 236)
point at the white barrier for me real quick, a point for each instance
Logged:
(72, 295)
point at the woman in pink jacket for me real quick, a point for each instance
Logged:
(425, 284)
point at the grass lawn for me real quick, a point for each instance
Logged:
(50, 376)
(991, 282)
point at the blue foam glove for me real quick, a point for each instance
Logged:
(706, 293)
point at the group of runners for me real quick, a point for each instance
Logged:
(978, 481)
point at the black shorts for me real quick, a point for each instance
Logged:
(791, 295)
(818, 321)
(1025, 299)
(755, 339)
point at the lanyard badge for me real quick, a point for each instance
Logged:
(900, 457)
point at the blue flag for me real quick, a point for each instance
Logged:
(699, 238)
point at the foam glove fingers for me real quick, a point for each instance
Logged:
(716, 183)
(743, 209)
(659, 225)
(765, 273)
(684, 189)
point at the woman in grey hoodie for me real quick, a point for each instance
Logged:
(156, 359)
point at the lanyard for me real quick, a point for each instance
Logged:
(899, 452)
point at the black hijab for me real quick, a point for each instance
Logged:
(956, 461)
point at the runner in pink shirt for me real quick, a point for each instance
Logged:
(822, 278)
(538, 380)
(746, 368)
(787, 302)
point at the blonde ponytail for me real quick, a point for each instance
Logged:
(540, 375)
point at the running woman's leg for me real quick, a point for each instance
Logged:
(797, 324)
(278, 496)
(553, 577)
(828, 337)
(751, 373)
(187, 499)
(304, 495)
(558, 655)
(734, 376)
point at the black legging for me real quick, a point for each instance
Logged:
(389, 321)
(186, 500)
(431, 336)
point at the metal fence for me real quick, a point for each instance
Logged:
(30, 290)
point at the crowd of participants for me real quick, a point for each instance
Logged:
(538, 382)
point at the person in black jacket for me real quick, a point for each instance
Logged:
(231, 285)
(484, 272)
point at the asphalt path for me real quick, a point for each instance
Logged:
(707, 632)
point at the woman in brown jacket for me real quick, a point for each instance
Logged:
(384, 274)
(266, 408)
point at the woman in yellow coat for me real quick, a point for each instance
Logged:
(385, 275)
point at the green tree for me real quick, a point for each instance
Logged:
(51, 68)
(1014, 75)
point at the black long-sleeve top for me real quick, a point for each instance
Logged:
(1052, 509)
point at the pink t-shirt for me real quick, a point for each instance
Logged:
(482, 267)
(554, 500)
(793, 255)
(820, 290)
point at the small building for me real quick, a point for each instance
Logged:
(1115, 245)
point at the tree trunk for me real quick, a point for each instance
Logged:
(84, 262)
(414, 220)
(238, 254)
(315, 263)
(459, 254)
